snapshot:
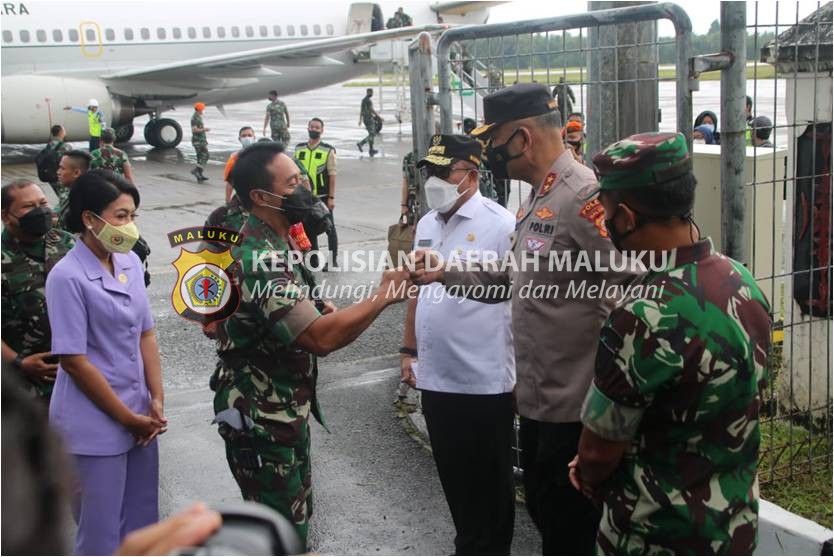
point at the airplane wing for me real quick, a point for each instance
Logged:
(458, 8)
(254, 63)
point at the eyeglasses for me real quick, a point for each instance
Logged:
(442, 172)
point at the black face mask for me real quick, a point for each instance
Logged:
(617, 238)
(497, 158)
(314, 134)
(36, 222)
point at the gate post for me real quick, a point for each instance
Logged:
(733, 125)
(422, 102)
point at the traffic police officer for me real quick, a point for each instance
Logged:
(199, 141)
(95, 121)
(671, 439)
(30, 249)
(319, 161)
(265, 384)
(553, 317)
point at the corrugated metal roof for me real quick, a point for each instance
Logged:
(805, 47)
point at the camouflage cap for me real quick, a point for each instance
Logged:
(642, 160)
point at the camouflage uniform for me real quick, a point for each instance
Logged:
(25, 326)
(264, 382)
(60, 149)
(412, 199)
(199, 141)
(278, 117)
(366, 113)
(678, 374)
(110, 158)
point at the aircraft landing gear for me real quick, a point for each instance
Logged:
(124, 132)
(164, 133)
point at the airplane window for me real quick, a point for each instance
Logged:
(221, 32)
(7, 36)
(128, 34)
(57, 35)
(192, 33)
(110, 34)
(317, 29)
(250, 32)
(91, 35)
(41, 34)
(263, 31)
(276, 30)
(330, 30)
(24, 36)
(290, 30)
(235, 31)
(206, 32)
(145, 33)
(177, 32)
(73, 35)
(304, 30)
(160, 32)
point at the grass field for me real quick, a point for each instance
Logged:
(573, 75)
(808, 490)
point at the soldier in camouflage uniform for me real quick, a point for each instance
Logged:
(410, 198)
(671, 439)
(71, 167)
(57, 133)
(199, 141)
(265, 384)
(369, 117)
(278, 118)
(30, 249)
(110, 158)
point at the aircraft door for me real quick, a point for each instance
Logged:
(91, 45)
(364, 17)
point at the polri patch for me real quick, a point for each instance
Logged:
(594, 212)
(534, 244)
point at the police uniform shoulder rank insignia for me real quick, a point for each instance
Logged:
(547, 185)
(123, 278)
(470, 237)
(594, 212)
(545, 213)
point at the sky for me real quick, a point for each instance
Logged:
(701, 12)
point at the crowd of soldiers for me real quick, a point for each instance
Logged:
(639, 415)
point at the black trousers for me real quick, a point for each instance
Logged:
(332, 237)
(566, 519)
(95, 143)
(471, 439)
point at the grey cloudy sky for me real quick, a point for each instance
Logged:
(701, 12)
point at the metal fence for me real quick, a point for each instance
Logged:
(768, 205)
(777, 205)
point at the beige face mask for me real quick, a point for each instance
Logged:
(117, 239)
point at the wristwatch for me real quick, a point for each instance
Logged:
(408, 351)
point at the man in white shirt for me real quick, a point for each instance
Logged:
(466, 368)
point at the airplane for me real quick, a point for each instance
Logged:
(147, 57)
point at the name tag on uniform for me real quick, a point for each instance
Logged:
(424, 243)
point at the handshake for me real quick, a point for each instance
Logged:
(424, 267)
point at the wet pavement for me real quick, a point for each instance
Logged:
(376, 488)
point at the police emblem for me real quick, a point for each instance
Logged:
(436, 140)
(204, 290)
(545, 213)
(594, 212)
(534, 244)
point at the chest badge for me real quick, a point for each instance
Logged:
(545, 213)
(470, 237)
(547, 185)
(534, 244)
(123, 278)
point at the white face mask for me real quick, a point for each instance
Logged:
(699, 141)
(247, 140)
(442, 195)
